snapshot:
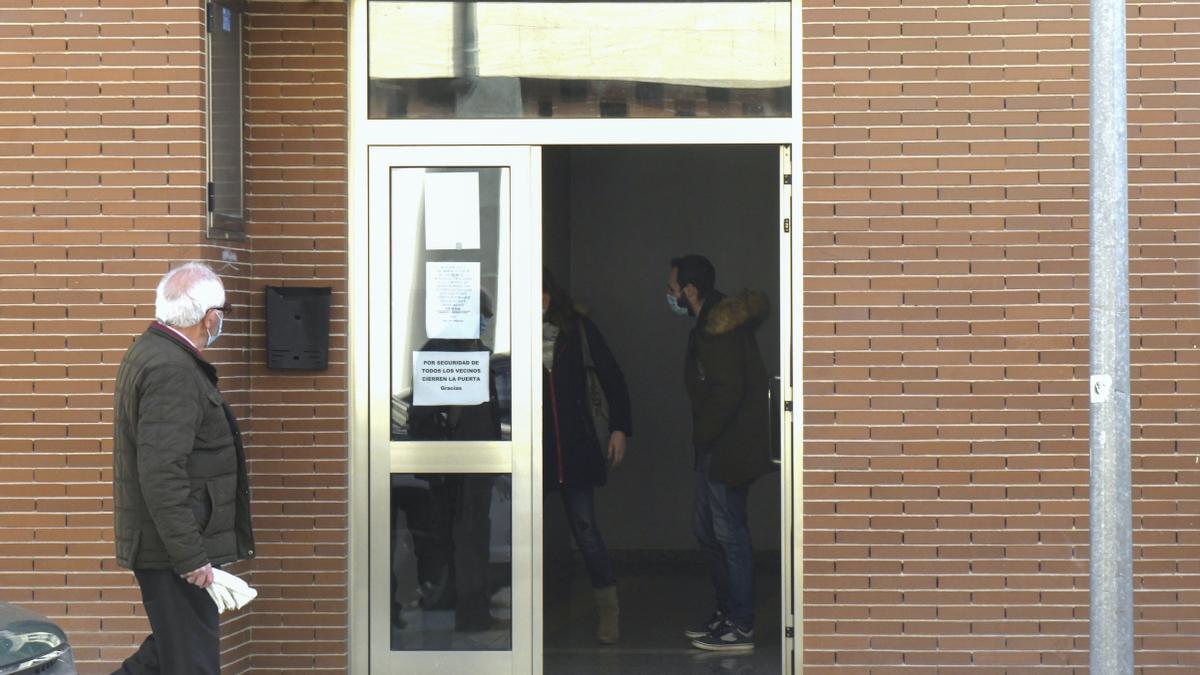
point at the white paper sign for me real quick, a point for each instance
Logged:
(1101, 387)
(450, 378)
(452, 300)
(451, 211)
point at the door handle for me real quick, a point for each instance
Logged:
(774, 419)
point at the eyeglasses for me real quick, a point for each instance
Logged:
(224, 309)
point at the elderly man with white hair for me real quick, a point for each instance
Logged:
(181, 496)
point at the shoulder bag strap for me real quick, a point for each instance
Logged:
(588, 363)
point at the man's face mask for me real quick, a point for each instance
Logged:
(678, 306)
(212, 337)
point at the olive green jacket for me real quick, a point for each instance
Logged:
(728, 387)
(181, 496)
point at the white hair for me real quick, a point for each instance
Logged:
(186, 293)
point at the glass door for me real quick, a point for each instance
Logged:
(453, 259)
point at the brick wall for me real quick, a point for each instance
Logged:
(946, 248)
(296, 186)
(102, 168)
(101, 184)
(946, 242)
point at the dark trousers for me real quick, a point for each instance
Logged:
(722, 528)
(580, 505)
(472, 532)
(184, 630)
(451, 527)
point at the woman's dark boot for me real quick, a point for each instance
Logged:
(607, 615)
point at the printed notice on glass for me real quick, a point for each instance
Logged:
(452, 300)
(451, 211)
(450, 378)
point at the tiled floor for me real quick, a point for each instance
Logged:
(657, 602)
(659, 598)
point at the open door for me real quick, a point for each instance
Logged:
(453, 278)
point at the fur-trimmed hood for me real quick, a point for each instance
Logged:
(747, 308)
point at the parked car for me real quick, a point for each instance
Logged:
(31, 643)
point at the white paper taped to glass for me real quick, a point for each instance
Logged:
(450, 378)
(451, 211)
(452, 300)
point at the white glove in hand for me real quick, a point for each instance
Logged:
(224, 599)
(229, 592)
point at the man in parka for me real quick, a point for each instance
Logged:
(181, 497)
(727, 384)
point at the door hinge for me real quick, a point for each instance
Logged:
(212, 197)
(787, 225)
(787, 406)
(208, 17)
(787, 179)
(789, 632)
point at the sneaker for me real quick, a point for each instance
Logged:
(712, 623)
(726, 638)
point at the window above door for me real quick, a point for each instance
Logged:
(499, 59)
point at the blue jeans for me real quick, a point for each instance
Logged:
(580, 505)
(721, 527)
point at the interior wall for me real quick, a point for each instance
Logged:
(556, 256)
(632, 209)
(556, 212)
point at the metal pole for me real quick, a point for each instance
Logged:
(466, 41)
(1111, 612)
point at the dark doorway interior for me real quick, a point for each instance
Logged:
(613, 217)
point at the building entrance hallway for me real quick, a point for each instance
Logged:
(658, 598)
(613, 217)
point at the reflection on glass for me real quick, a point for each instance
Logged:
(450, 305)
(441, 59)
(451, 544)
(225, 120)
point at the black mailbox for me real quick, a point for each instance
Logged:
(298, 327)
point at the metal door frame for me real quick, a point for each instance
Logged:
(791, 482)
(513, 457)
(366, 134)
(525, 249)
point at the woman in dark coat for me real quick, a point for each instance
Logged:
(576, 457)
